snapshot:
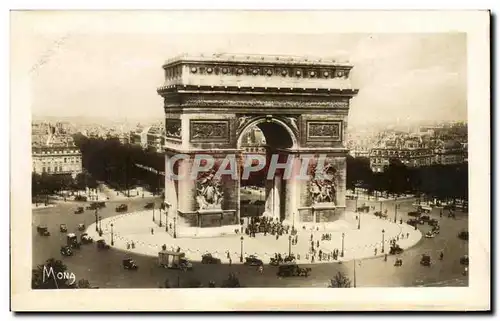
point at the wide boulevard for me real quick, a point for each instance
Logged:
(104, 268)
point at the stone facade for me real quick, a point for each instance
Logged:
(300, 105)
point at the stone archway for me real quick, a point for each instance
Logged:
(210, 100)
(281, 140)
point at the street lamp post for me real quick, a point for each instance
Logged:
(100, 225)
(359, 221)
(175, 229)
(289, 245)
(112, 241)
(160, 215)
(342, 252)
(383, 235)
(395, 212)
(96, 222)
(167, 207)
(153, 212)
(241, 253)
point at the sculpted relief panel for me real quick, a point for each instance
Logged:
(173, 128)
(209, 192)
(324, 131)
(209, 130)
(324, 184)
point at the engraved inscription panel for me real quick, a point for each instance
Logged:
(324, 131)
(209, 130)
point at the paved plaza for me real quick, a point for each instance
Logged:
(358, 243)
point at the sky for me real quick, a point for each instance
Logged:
(108, 73)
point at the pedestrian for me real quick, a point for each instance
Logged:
(261, 269)
(133, 245)
(128, 246)
(441, 255)
(407, 235)
(312, 259)
(230, 261)
(152, 231)
(375, 251)
(317, 243)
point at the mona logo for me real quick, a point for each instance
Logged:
(59, 276)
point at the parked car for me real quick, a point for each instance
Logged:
(463, 235)
(42, 230)
(79, 210)
(121, 208)
(72, 241)
(209, 259)
(252, 260)
(129, 264)
(412, 222)
(425, 260)
(429, 235)
(63, 228)
(414, 213)
(81, 227)
(86, 239)
(66, 251)
(432, 222)
(101, 245)
(149, 206)
(292, 269)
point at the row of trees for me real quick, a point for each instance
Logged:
(44, 184)
(114, 163)
(439, 181)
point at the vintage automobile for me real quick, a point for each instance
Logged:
(412, 222)
(66, 251)
(363, 209)
(252, 260)
(425, 260)
(398, 262)
(464, 260)
(101, 245)
(81, 227)
(72, 241)
(395, 249)
(86, 239)
(96, 205)
(121, 208)
(174, 260)
(463, 235)
(414, 213)
(129, 264)
(292, 269)
(79, 210)
(209, 259)
(429, 235)
(42, 230)
(149, 206)
(63, 228)
(425, 218)
(432, 222)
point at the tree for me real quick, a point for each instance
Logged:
(340, 281)
(41, 280)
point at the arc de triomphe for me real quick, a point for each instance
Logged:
(300, 105)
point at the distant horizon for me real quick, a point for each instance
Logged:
(402, 78)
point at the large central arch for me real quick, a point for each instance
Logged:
(300, 105)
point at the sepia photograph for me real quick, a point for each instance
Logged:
(163, 150)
